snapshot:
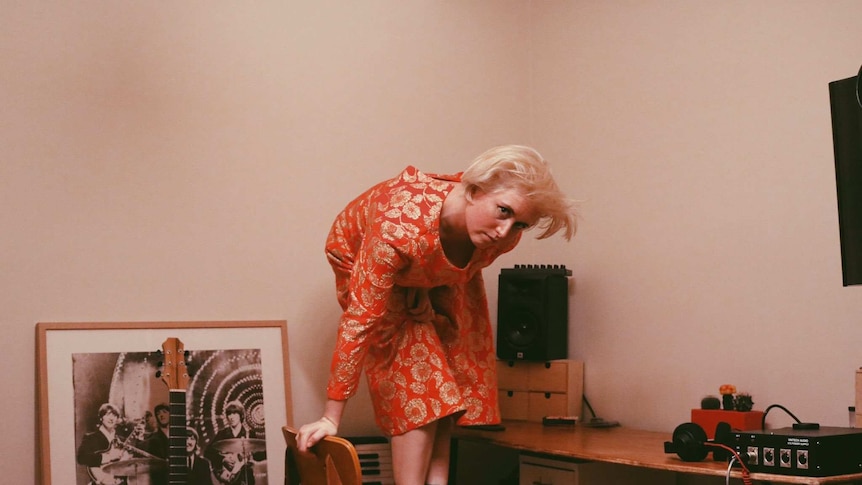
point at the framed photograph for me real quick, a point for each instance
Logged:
(122, 403)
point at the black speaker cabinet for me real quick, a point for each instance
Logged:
(533, 313)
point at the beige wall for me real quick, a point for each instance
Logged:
(183, 162)
(699, 135)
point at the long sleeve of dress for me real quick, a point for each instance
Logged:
(368, 293)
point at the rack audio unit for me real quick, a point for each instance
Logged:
(813, 452)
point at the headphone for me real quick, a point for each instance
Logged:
(690, 442)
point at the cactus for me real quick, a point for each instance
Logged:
(710, 402)
(743, 402)
(727, 391)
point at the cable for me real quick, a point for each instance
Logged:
(588, 406)
(779, 406)
(729, 467)
(746, 474)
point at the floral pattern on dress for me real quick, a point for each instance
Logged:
(417, 325)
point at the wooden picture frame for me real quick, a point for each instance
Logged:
(83, 365)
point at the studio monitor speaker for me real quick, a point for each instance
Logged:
(533, 313)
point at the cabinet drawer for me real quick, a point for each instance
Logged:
(533, 390)
(541, 404)
(550, 377)
(554, 376)
(532, 406)
(514, 405)
(513, 377)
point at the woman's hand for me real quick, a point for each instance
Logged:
(309, 434)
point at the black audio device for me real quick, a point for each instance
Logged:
(801, 450)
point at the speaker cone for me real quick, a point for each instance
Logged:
(521, 329)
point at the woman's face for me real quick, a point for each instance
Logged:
(496, 218)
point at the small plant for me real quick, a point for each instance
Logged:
(743, 402)
(710, 402)
(727, 391)
(730, 400)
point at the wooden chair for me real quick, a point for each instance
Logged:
(332, 461)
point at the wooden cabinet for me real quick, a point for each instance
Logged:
(530, 391)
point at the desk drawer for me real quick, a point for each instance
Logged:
(549, 471)
(533, 473)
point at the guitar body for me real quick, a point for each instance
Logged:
(95, 446)
(101, 477)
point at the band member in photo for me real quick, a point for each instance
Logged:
(236, 466)
(150, 425)
(200, 469)
(158, 444)
(101, 447)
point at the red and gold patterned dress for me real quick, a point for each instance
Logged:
(416, 324)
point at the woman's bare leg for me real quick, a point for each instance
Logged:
(438, 469)
(411, 454)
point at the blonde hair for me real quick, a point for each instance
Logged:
(523, 168)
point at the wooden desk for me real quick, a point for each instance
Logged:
(624, 446)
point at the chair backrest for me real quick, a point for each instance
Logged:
(332, 461)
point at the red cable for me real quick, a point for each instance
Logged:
(746, 474)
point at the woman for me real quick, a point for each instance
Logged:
(407, 256)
